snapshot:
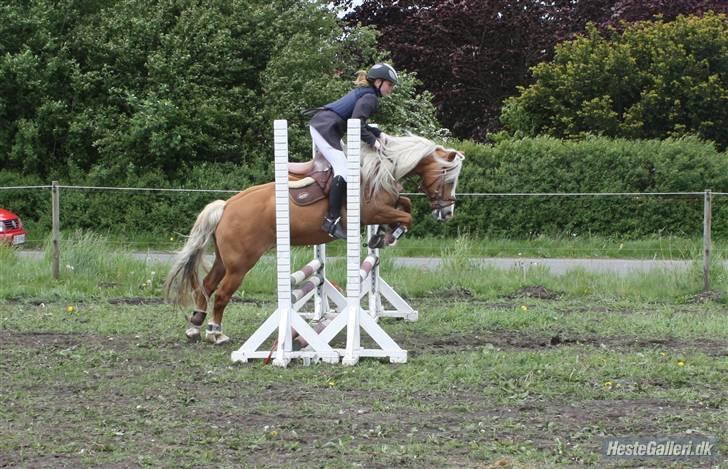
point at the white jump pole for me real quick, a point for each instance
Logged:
(283, 241)
(285, 317)
(353, 238)
(353, 317)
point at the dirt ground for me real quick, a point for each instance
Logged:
(455, 421)
(120, 400)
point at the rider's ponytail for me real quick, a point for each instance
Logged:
(361, 78)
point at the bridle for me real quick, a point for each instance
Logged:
(434, 190)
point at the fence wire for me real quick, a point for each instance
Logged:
(408, 194)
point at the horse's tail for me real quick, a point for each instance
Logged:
(184, 277)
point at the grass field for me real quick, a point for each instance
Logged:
(504, 369)
(573, 245)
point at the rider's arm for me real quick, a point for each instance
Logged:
(365, 107)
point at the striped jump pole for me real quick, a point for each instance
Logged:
(376, 288)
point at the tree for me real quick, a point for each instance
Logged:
(654, 80)
(118, 87)
(469, 54)
(472, 54)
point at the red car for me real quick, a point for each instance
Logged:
(11, 228)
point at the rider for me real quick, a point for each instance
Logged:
(328, 126)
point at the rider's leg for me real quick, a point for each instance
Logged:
(332, 223)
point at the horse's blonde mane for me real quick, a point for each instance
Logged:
(400, 155)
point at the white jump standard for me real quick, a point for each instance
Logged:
(284, 318)
(294, 290)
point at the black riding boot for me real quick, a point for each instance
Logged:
(332, 223)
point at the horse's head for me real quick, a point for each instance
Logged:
(439, 172)
(437, 167)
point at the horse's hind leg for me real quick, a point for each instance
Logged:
(202, 295)
(229, 285)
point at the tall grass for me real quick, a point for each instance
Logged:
(92, 267)
(555, 246)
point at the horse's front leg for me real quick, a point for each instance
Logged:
(390, 217)
(404, 204)
(391, 212)
(397, 230)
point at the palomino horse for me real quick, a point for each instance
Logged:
(243, 228)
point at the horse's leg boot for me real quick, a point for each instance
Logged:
(214, 334)
(332, 223)
(398, 231)
(196, 320)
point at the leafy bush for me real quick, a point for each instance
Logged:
(155, 86)
(513, 166)
(654, 80)
(594, 165)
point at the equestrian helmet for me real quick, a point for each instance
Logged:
(383, 71)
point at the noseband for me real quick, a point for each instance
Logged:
(437, 200)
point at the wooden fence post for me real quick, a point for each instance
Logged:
(707, 241)
(56, 234)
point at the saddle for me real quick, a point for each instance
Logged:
(309, 181)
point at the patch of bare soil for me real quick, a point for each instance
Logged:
(63, 341)
(12, 339)
(451, 416)
(451, 293)
(705, 297)
(125, 300)
(286, 422)
(511, 340)
(535, 291)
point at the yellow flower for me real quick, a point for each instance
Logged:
(70, 309)
(171, 238)
(524, 307)
(273, 434)
(681, 363)
(608, 385)
(663, 354)
(332, 383)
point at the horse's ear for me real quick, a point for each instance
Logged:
(452, 155)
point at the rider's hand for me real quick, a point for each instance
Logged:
(378, 146)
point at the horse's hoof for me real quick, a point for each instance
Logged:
(390, 240)
(216, 338)
(376, 241)
(193, 333)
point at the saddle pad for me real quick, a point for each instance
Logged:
(306, 195)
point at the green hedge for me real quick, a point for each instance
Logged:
(596, 164)
(531, 165)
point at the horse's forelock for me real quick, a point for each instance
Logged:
(453, 166)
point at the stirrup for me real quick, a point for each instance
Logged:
(334, 228)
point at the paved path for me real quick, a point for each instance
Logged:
(560, 266)
(555, 266)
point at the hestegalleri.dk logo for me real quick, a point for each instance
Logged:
(660, 447)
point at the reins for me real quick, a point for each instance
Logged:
(437, 200)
